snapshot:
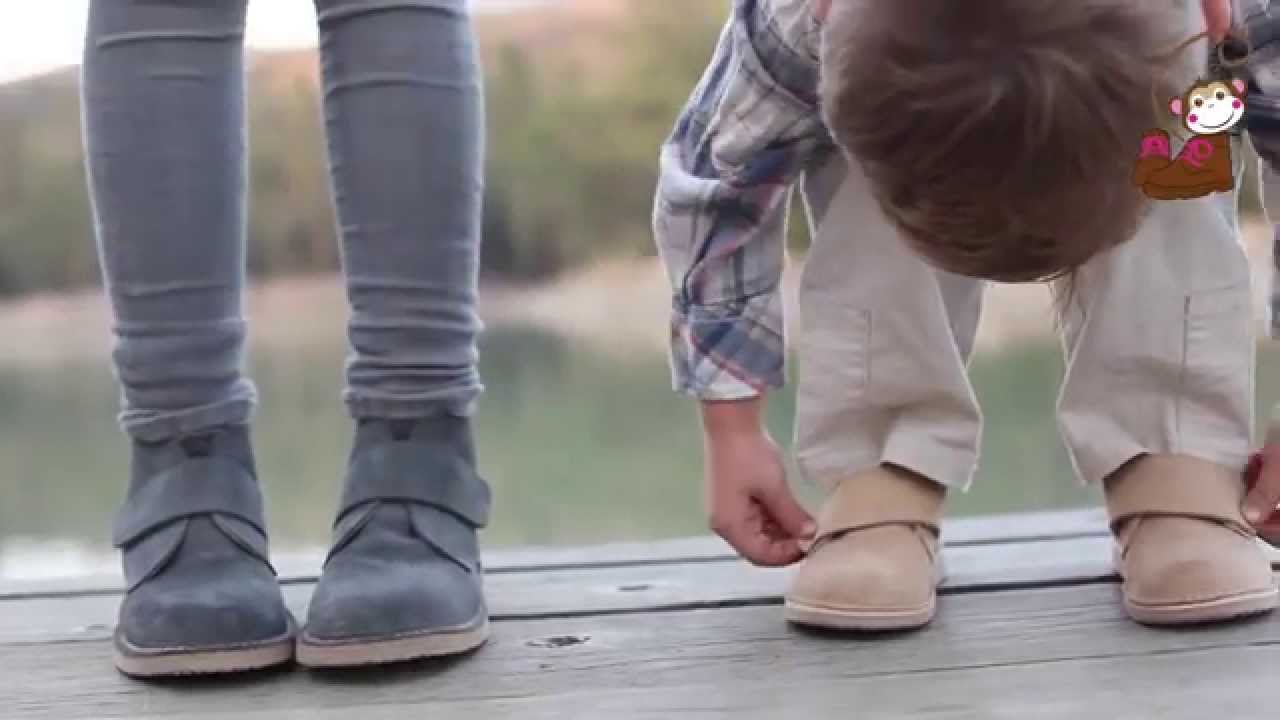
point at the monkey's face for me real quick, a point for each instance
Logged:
(1211, 109)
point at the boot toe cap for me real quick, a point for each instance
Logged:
(854, 574)
(375, 600)
(235, 610)
(1201, 563)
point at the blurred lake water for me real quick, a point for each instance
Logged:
(582, 444)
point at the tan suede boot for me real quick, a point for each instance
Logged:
(875, 564)
(1184, 550)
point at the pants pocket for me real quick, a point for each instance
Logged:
(834, 372)
(1216, 402)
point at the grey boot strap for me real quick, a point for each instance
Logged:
(152, 523)
(417, 472)
(446, 499)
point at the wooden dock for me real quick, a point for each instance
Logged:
(1029, 627)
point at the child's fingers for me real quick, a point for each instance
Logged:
(780, 552)
(1252, 469)
(1217, 18)
(1264, 495)
(742, 525)
(781, 507)
(779, 547)
(760, 549)
(1270, 533)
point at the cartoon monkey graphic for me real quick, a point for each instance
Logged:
(1210, 110)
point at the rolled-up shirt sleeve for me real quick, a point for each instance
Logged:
(727, 171)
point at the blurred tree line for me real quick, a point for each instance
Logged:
(575, 114)
(579, 97)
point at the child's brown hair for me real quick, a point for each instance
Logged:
(1001, 135)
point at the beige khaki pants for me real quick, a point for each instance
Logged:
(1159, 342)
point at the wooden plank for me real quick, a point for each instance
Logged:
(959, 532)
(730, 661)
(962, 531)
(1230, 683)
(630, 588)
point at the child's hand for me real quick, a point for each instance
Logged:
(1217, 18)
(1263, 479)
(750, 504)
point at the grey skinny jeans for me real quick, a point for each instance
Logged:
(165, 132)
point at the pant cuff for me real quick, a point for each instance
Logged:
(460, 401)
(154, 426)
(949, 466)
(1098, 465)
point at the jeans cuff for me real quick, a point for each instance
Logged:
(153, 425)
(460, 400)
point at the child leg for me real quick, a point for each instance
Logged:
(886, 417)
(1158, 406)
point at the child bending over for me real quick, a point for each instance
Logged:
(940, 146)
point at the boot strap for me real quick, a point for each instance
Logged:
(212, 485)
(420, 473)
(1178, 486)
(828, 536)
(877, 498)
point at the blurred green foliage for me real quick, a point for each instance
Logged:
(579, 100)
(574, 131)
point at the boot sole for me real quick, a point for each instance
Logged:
(141, 662)
(866, 619)
(314, 653)
(851, 619)
(1219, 610)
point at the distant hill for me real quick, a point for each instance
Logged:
(580, 94)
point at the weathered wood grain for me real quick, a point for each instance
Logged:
(1232, 683)
(300, 567)
(1049, 653)
(630, 588)
(1028, 628)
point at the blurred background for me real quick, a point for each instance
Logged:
(580, 434)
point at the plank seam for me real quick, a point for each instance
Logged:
(568, 567)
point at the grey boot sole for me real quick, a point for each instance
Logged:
(315, 653)
(168, 662)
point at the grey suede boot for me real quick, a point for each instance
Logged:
(201, 595)
(403, 579)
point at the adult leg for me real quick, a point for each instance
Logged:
(405, 124)
(164, 132)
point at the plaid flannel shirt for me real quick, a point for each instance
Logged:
(750, 129)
